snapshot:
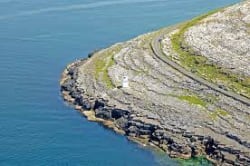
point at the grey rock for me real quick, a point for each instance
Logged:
(103, 113)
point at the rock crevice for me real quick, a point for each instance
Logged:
(162, 106)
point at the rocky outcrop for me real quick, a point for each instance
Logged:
(224, 38)
(147, 129)
(162, 107)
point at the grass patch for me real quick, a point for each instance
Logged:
(193, 100)
(198, 64)
(102, 63)
(218, 112)
(222, 112)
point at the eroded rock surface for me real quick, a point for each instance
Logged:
(162, 106)
(224, 38)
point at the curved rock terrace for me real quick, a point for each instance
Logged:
(189, 87)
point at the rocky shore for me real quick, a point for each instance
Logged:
(163, 106)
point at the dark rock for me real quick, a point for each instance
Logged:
(228, 149)
(133, 129)
(132, 123)
(139, 125)
(199, 137)
(175, 147)
(68, 85)
(75, 94)
(159, 132)
(158, 135)
(210, 145)
(118, 113)
(74, 76)
(86, 105)
(144, 132)
(177, 150)
(245, 143)
(71, 71)
(148, 127)
(217, 155)
(103, 113)
(194, 150)
(242, 158)
(99, 103)
(193, 139)
(122, 123)
(167, 139)
(236, 138)
(187, 134)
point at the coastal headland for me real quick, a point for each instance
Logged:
(189, 87)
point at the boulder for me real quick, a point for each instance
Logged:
(118, 113)
(75, 94)
(99, 103)
(122, 123)
(132, 129)
(67, 85)
(103, 113)
(71, 71)
(144, 132)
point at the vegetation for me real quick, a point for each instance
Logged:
(102, 63)
(218, 112)
(193, 99)
(200, 65)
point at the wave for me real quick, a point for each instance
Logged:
(75, 7)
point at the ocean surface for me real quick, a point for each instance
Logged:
(38, 38)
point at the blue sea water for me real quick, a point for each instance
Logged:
(37, 40)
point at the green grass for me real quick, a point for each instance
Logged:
(102, 63)
(193, 99)
(218, 112)
(105, 76)
(198, 64)
(222, 112)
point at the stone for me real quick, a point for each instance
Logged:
(164, 103)
(133, 129)
(122, 123)
(103, 113)
(118, 113)
(67, 85)
(98, 104)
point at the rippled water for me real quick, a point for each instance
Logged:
(37, 40)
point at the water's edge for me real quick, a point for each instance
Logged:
(116, 119)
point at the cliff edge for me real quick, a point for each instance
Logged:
(189, 87)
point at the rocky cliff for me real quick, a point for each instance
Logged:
(188, 91)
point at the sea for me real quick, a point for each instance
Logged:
(38, 38)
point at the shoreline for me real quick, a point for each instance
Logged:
(89, 114)
(167, 106)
